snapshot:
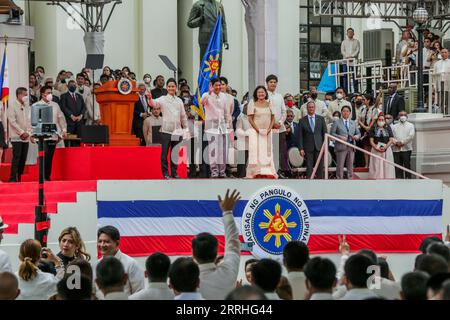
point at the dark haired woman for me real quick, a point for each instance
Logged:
(381, 140)
(173, 129)
(262, 119)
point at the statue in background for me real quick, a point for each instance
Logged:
(204, 14)
(7, 5)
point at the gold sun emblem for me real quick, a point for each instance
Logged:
(277, 226)
(213, 65)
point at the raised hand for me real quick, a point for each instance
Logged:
(229, 202)
(344, 247)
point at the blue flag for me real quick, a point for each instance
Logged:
(328, 83)
(209, 68)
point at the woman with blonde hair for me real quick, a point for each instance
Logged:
(33, 283)
(71, 246)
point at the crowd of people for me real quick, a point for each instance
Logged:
(363, 275)
(263, 135)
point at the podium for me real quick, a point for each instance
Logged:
(117, 113)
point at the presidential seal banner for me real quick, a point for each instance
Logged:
(273, 217)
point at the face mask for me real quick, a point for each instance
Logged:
(403, 119)
(336, 119)
(389, 121)
(381, 123)
(147, 80)
(49, 97)
(359, 103)
(72, 89)
(340, 96)
(290, 104)
(327, 103)
(25, 100)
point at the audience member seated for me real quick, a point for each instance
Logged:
(108, 242)
(246, 293)
(435, 286)
(433, 264)
(439, 249)
(72, 246)
(9, 286)
(111, 279)
(67, 291)
(5, 262)
(356, 278)
(184, 279)
(157, 270)
(414, 286)
(321, 279)
(266, 275)
(295, 256)
(33, 283)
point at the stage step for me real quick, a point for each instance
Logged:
(18, 200)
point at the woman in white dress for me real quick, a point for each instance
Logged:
(262, 119)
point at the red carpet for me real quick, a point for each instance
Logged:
(17, 201)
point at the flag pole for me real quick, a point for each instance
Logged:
(7, 101)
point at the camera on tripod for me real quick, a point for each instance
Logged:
(42, 121)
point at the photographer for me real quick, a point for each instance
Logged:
(33, 283)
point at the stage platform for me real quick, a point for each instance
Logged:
(101, 163)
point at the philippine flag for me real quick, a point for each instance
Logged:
(4, 84)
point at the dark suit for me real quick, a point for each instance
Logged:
(138, 121)
(394, 106)
(73, 106)
(293, 139)
(311, 142)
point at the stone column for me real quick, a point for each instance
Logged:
(261, 18)
(19, 38)
(431, 149)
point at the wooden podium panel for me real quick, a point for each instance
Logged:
(117, 113)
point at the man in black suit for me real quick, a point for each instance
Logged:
(292, 131)
(312, 134)
(73, 106)
(141, 112)
(394, 104)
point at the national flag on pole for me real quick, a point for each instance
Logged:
(4, 88)
(209, 68)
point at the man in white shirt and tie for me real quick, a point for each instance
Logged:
(184, 280)
(108, 241)
(320, 278)
(217, 127)
(5, 262)
(279, 130)
(157, 270)
(404, 133)
(216, 281)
